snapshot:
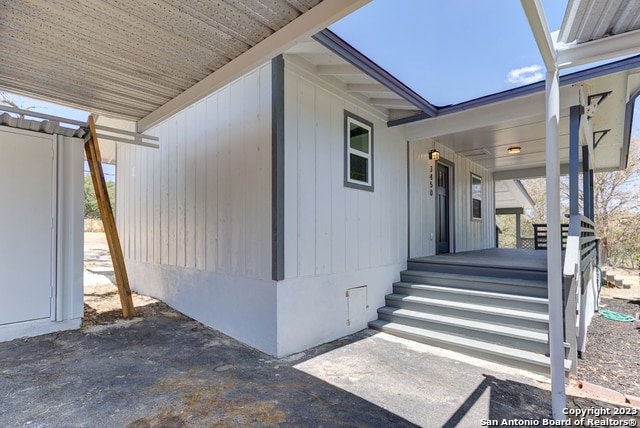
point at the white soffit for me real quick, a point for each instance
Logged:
(318, 60)
(484, 133)
(128, 59)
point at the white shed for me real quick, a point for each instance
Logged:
(41, 227)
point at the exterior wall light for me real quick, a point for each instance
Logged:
(514, 150)
(434, 154)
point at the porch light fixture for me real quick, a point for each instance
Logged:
(514, 150)
(434, 154)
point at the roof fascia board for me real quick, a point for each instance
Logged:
(319, 17)
(599, 50)
(569, 79)
(524, 173)
(530, 105)
(507, 211)
(337, 45)
(540, 29)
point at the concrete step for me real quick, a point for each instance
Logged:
(528, 303)
(534, 341)
(436, 264)
(513, 286)
(526, 360)
(519, 318)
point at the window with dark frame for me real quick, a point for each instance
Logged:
(476, 197)
(358, 152)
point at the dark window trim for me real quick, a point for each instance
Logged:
(479, 177)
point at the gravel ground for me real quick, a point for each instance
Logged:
(612, 357)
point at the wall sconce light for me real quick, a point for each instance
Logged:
(514, 150)
(434, 154)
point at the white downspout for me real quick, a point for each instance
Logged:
(538, 23)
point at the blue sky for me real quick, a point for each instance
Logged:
(454, 50)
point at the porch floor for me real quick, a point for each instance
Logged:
(512, 258)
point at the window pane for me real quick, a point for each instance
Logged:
(476, 187)
(358, 138)
(477, 208)
(359, 168)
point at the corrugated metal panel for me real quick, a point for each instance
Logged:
(127, 58)
(587, 20)
(44, 126)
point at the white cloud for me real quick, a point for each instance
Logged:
(525, 75)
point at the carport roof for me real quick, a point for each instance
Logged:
(148, 59)
(128, 59)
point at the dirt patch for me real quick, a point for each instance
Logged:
(101, 298)
(611, 359)
(629, 277)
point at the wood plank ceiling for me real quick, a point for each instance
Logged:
(127, 58)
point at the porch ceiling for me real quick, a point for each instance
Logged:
(483, 130)
(128, 59)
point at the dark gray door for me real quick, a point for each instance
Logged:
(442, 209)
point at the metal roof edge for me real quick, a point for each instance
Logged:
(337, 45)
(569, 79)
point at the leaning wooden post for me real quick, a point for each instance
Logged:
(92, 151)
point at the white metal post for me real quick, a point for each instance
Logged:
(554, 242)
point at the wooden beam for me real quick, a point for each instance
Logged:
(92, 151)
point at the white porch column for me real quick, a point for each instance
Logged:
(554, 243)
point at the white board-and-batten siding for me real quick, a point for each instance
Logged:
(195, 214)
(468, 234)
(336, 238)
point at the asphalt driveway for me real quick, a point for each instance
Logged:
(171, 371)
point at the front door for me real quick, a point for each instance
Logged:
(442, 209)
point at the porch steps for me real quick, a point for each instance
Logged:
(515, 286)
(526, 360)
(498, 269)
(495, 318)
(467, 312)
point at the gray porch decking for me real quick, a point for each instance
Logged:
(513, 263)
(513, 258)
(488, 303)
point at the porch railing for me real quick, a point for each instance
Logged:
(582, 245)
(579, 275)
(540, 235)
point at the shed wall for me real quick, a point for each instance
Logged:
(47, 295)
(195, 215)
